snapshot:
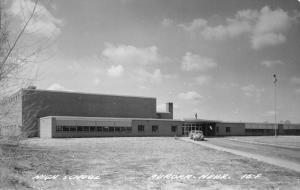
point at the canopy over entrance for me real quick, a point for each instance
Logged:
(207, 126)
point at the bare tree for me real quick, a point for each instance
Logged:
(17, 51)
(13, 58)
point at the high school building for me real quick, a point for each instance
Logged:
(44, 113)
(56, 114)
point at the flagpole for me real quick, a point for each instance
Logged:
(275, 107)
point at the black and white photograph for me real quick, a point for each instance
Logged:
(150, 94)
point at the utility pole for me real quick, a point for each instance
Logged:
(275, 101)
(0, 15)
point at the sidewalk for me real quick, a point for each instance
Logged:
(278, 162)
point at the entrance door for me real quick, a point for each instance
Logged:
(209, 129)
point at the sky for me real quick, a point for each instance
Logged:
(210, 57)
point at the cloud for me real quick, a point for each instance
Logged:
(265, 27)
(252, 91)
(191, 95)
(42, 23)
(167, 22)
(115, 71)
(127, 54)
(195, 62)
(143, 75)
(194, 25)
(136, 60)
(268, 63)
(58, 87)
(202, 80)
(269, 27)
(217, 32)
(268, 39)
(233, 29)
(297, 91)
(295, 80)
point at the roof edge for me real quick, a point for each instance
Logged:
(85, 93)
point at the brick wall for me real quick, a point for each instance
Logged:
(235, 129)
(39, 103)
(164, 128)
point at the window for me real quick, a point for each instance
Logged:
(99, 128)
(173, 129)
(123, 129)
(79, 129)
(86, 128)
(65, 128)
(128, 129)
(141, 128)
(111, 129)
(92, 128)
(58, 128)
(217, 129)
(105, 129)
(154, 128)
(227, 129)
(117, 129)
(73, 128)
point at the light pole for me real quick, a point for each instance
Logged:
(275, 100)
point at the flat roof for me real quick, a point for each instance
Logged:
(201, 120)
(106, 118)
(84, 93)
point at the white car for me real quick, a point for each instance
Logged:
(196, 135)
(191, 134)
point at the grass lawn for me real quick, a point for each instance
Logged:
(129, 163)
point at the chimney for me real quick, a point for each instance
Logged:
(169, 108)
(31, 87)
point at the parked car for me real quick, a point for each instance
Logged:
(196, 135)
(191, 134)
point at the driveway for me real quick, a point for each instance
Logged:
(279, 156)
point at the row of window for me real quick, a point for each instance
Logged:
(191, 125)
(155, 128)
(93, 129)
(141, 128)
(227, 129)
(249, 130)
